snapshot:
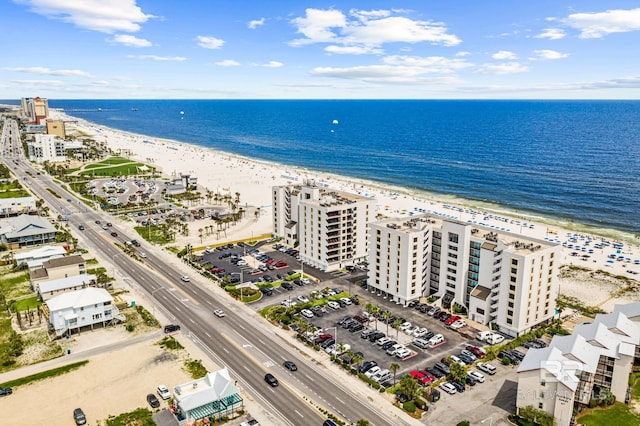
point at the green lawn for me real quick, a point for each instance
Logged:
(16, 193)
(108, 162)
(30, 303)
(121, 170)
(153, 234)
(617, 414)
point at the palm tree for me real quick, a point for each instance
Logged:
(387, 316)
(394, 368)
(340, 348)
(396, 324)
(237, 197)
(368, 308)
(409, 386)
(356, 359)
(200, 234)
(349, 355)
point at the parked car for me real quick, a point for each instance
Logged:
(5, 391)
(366, 366)
(170, 328)
(477, 376)
(271, 379)
(163, 392)
(153, 401)
(373, 370)
(448, 388)
(487, 368)
(333, 305)
(79, 417)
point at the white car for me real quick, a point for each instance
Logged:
(381, 341)
(409, 330)
(185, 278)
(219, 313)
(458, 325)
(333, 305)
(346, 300)
(394, 349)
(420, 332)
(457, 360)
(164, 392)
(487, 368)
(307, 313)
(372, 371)
(303, 299)
(242, 262)
(477, 376)
(404, 326)
(305, 280)
(403, 353)
(143, 255)
(448, 388)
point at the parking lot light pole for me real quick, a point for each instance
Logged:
(336, 335)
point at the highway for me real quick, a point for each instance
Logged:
(242, 341)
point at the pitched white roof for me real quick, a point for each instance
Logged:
(620, 324)
(41, 252)
(212, 387)
(68, 282)
(599, 336)
(577, 348)
(551, 360)
(631, 310)
(79, 298)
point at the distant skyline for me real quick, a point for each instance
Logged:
(378, 49)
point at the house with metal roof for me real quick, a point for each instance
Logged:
(212, 397)
(17, 206)
(53, 269)
(36, 257)
(25, 231)
(88, 307)
(52, 288)
(596, 359)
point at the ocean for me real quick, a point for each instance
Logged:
(573, 161)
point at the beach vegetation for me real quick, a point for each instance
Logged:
(530, 416)
(137, 417)
(54, 372)
(195, 368)
(563, 302)
(168, 342)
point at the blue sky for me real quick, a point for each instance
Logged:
(250, 49)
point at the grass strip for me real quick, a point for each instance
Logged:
(54, 372)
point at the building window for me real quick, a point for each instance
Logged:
(514, 262)
(540, 405)
(480, 311)
(543, 382)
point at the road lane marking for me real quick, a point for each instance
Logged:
(298, 413)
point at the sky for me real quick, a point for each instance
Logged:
(292, 49)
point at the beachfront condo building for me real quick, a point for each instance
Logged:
(328, 227)
(591, 364)
(51, 148)
(499, 278)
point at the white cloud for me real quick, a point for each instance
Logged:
(551, 34)
(158, 58)
(47, 71)
(131, 41)
(210, 42)
(504, 68)
(367, 31)
(270, 64)
(600, 24)
(317, 24)
(428, 64)
(504, 54)
(228, 63)
(255, 23)
(46, 83)
(97, 15)
(353, 50)
(550, 54)
(383, 74)
(462, 54)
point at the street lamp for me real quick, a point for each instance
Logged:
(336, 335)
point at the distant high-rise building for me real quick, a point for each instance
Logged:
(36, 109)
(55, 127)
(329, 227)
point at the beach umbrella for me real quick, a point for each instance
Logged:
(609, 261)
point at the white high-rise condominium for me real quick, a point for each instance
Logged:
(329, 227)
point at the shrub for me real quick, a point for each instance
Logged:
(409, 407)
(506, 361)
(463, 423)
(421, 404)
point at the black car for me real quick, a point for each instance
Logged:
(79, 417)
(459, 386)
(376, 336)
(270, 378)
(81, 227)
(356, 327)
(153, 401)
(170, 328)
(5, 391)
(290, 365)
(402, 398)
(388, 344)
(466, 359)
(436, 372)
(327, 343)
(366, 366)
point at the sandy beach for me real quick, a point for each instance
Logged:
(222, 173)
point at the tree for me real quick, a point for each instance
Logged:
(368, 308)
(375, 311)
(394, 368)
(458, 372)
(362, 422)
(409, 386)
(396, 324)
(357, 359)
(387, 316)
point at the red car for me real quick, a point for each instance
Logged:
(281, 264)
(476, 351)
(270, 261)
(216, 270)
(451, 319)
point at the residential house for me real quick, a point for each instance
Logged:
(26, 231)
(51, 288)
(63, 267)
(36, 257)
(88, 307)
(17, 206)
